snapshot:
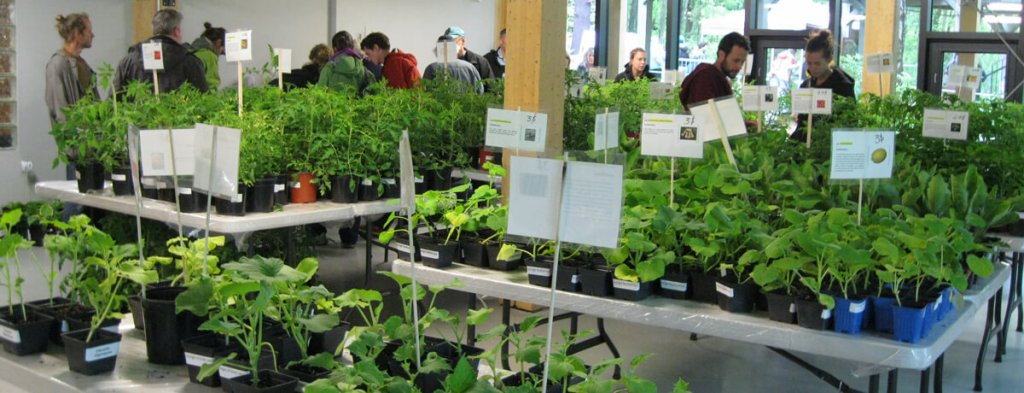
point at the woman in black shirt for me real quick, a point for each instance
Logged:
(822, 74)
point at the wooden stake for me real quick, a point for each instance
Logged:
(810, 128)
(721, 133)
(672, 182)
(240, 89)
(760, 122)
(860, 200)
(156, 85)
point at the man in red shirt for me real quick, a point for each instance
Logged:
(709, 81)
(399, 68)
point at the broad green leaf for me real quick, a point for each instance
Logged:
(461, 379)
(209, 369)
(980, 266)
(320, 323)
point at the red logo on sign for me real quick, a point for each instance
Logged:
(821, 104)
(156, 55)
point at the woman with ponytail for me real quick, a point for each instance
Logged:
(822, 73)
(208, 48)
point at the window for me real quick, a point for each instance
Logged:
(8, 107)
(993, 72)
(792, 14)
(702, 23)
(581, 30)
(981, 16)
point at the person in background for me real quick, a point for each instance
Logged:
(180, 65)
(708, 81)
(346, 69)
(208, 48)
(454, 68)
(458, 36)
(822, 74)
(309, 74)
(589, 61)
(397, 67)
(782, 71)
(496, 57)
(637, 67)
(69, 78)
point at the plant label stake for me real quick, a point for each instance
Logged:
(408, 202)
(174, 178)
(760, 99)
(880, 64)
(515, 129)
(283, 61)
(945, 124)
(153, 60)
(209, 201)
(812, 102)
(238, 48)
(134, 151)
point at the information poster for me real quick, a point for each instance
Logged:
(812, 101)
(152, 56)
(516, 130)
(946, 124)
(238, 46)
(606, 130)
(671, 135)
(760, 98)
(156, 152)
(223, 162)
(862, 154)
(284, 59)
(661, 90)
(591, 208)
(535, 187)
(729, 115)
(598, 74)
(880, 63)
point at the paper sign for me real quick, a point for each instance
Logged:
(284, 59)
(748, 66)
(535, 188)
(238, 46)
(223, 161)
(408, 178)
(729, 115)
(516, 130)
(575, 90)
(671, 136)
(133, 155)
(862, 154)
(945, 124)
(972, 78)
(152, 56)
(156, 152)
(598, 74)
(960, 76)
(591, 204)
(760, 98)
(880, 63)
(670, 77)
(661, 90)
(610, 139)
(813, 101)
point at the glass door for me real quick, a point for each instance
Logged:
(997, 73)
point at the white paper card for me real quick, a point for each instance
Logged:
(813, 101)
(197, 360)
(729, 115)
(858, 154)
(591, 204)
(538, 271)
(880, 63)
(238, 46)
(748, 66)
(670, 77)
(661, 90)
(226, 372)
(535, 187)
(407, 176)
(724, 290)
(857, 307)
(429, 254)
(598, 74)
(284, 59)
(945, 124)
(223, 162)
(671, 136)
(760, 98)
(673, 285)
(972, 78)
(152, 56)
(11, 335)
(606, 131)
(156, 152)
(516, 130)
(102, 352)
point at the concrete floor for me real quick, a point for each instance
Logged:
(710, 364)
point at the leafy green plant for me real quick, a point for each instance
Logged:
(110, 266)
(295, 306)
(9, 246)
(187, 257)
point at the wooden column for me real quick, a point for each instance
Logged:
(535, 73)
(615, 15)
(142, 18)
(968, 24)
(879, 28)
(501, 12)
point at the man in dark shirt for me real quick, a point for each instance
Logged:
(709, 81)
(458, 35)
(180, 65)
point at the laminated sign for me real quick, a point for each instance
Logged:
(535, 189)
(945, 124)
(216, 164)
(152, 56)
(661, 90)
(606, 131)
(812, 101)
(760, 98)
(671, 135)
(516, 130)
(238, 46)
(728, 114)
(156, 152)
(862, 154)
(284, 59)
(880, 63)
(960, 76)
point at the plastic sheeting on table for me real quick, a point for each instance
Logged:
(291, 215)
(874, 353)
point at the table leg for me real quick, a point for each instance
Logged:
(873, 383)
(1019, 266)
(470, 329)
(506, 319)
(925, 379)
(893, 381)
(369, 255)
(611, 346)
(939, 363)
(289, 256)
(999, 325)
(993, 310)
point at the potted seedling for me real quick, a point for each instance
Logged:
(22, 330)
(38, 215)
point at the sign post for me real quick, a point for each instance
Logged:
(862, 154)
(153, 60)
(238, 48)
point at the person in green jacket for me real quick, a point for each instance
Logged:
(208, 48)
(346, 70)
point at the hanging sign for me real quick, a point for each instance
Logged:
(945, 124)
(156, 152)
(862, 154)
(152, 56)
(591, 208)
(222, 163)
(238, 46)
(535, 187)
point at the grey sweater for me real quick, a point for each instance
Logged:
(457, 69)
(63, 88)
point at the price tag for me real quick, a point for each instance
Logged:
(857, 307)
(575, 279)
(238, 46)
(538, 271)
(152, 56)
(860, 154)
(431, 254)
(401, 247)
(945, 124)
(185, 191)
(284, 59)
(674, 286)
(279, 188)
(812, 101)
(661, 90)
(880, 63)
(724, 289)
(102, 352)
(237, 198)
(671, 136)
(626, 285)
(760, 98)
(118, 177)
(610, 122)
(516, 130)
(826, 314)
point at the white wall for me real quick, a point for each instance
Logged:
(414, 25)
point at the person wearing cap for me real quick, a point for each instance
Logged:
(496, 57)
(458, 36)
(453, 68)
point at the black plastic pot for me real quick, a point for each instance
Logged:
(343, 189)
(82, 321)
(391, 189)
(94, 357)
(781, 307)
(368, 191)
(58, 309)
(675, 284)
(439, 180)
(204, 349)
(401, 246)
(281, 189)
(166, 194)
(122, 180)
(192, 201)
(538, 271)
(328, 341)
(435, 254)
(420, 184)
(628, 290)
(473, 253)
(733, 297)
(234, 206)
(149, 188)
(89, 176)
(568, 278)
(596, 280)
(270, 382)
(24, 334)
(704, 287)
(135, 306)
(261, 196)
(451, 352)
(304, 375)
(494, 263)
(812, 315)
(36, 233)
(165, 328)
